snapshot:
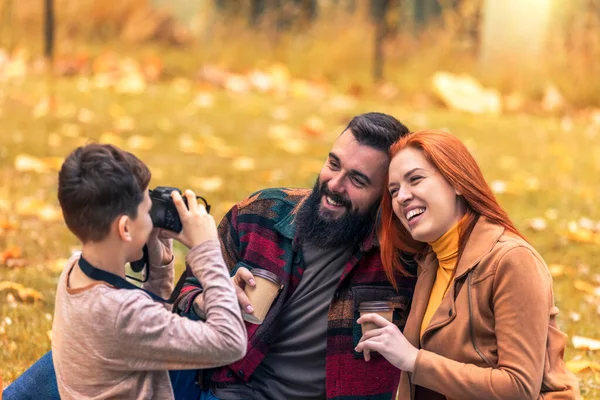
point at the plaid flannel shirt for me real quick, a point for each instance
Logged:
(259, 232)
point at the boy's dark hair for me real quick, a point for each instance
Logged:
(377, 130)
(96, 184)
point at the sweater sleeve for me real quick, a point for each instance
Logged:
(152, 338)
(521, 304)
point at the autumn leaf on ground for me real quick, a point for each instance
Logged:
(586, 287)
(292, 146)
(111, 138)
(8, 225)
(314, 127)
(556, 269)
(244, 164)
(143, 143)
(10, 253)
(206, 184)
(578, 366)
(23, 293)
(125, 124)
(584, 343)
(537, 224)
(27, 163)
(32, 207)
(56, 266)
(188, 145)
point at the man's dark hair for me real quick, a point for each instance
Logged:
(377, 130)
(96, 184)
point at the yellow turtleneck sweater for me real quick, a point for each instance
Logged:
(446, 250)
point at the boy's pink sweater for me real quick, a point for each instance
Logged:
(117, 343)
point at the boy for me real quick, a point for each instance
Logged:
(119, 343)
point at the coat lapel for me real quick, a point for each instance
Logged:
(428, 269)
(481, 241)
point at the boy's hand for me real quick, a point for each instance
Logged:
(198, 225)
(160, 248)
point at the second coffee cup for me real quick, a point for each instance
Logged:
(383, 308)
(262, 295)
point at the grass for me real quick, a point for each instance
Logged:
(547, 163)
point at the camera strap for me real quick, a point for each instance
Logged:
(120, 283)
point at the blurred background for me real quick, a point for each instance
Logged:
(227, 97)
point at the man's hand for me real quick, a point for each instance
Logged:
(388, 341)
(242, 278)
(198, 225)
(160, 248)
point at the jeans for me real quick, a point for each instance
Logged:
(39, 382)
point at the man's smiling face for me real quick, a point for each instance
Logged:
(352, 179)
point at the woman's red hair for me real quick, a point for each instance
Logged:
(456, 164)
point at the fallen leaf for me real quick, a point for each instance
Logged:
(70, 130)
(498, 187)
(204, 100)
(41, 109)
(465, 93)
(131, 83)
(143, 143)
(32, 207)
(111, 138)
(54, 140)
(556, 269)
(553, 99)
(206, 184)
(125, 124)
(237, 84)
(583, 343)
(8, 225)
(23, 293)
(280, 113)
(292, 146)
(583, 269)
(85, 116)
(56, 266)
(27, 163)
(49, 213)
(578, 366)
(576, 317)
(244, 164)
(586, 287)
(551, 214)
(189, 145)
(14, 263)
(538, 224)
(532, 184)
(10, 253)
(279, 132)
(314, 127)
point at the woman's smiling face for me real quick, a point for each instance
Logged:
(424, 201)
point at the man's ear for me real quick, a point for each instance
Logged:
(124, 228)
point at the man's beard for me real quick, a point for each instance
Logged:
(326, 231)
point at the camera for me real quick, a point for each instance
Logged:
(164, 213)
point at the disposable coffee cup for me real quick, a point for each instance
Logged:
(262, 295)
(383, 308)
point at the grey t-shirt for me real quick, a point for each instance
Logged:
(294, 368)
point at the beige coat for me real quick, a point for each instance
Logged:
(494, 335)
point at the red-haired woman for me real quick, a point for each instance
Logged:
(482, 324)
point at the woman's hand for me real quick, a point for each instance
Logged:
(198, 225)
(388, 341)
